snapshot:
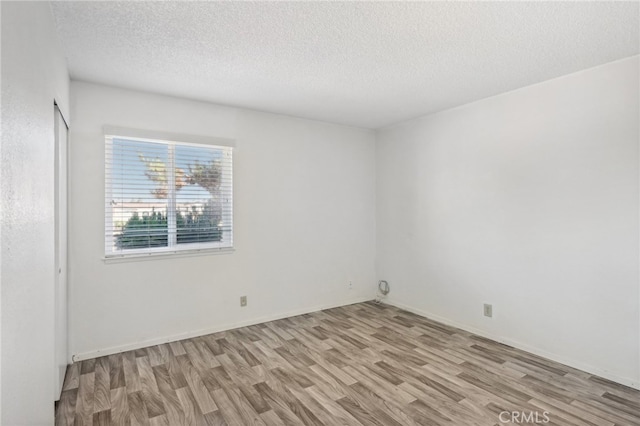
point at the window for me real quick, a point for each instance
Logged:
(164, 196)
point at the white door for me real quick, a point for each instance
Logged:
(60, 320)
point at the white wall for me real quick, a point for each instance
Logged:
(529, 201)
(33, 75)
(304, 224)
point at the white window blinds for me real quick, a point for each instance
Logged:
(165, 196)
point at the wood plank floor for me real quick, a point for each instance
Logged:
(363, 364)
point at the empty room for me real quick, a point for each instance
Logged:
(320, 213)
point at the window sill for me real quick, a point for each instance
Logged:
(166, 255)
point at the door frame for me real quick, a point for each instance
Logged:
(61, 215)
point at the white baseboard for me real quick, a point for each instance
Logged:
(202, 332)
(522, 346)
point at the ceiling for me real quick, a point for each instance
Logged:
(366, 64)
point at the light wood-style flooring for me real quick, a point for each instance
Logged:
(363, 364)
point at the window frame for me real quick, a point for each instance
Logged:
(173, 248)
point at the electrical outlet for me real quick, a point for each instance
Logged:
(488, 310)
(243, 300)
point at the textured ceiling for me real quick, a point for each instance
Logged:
(368, 64)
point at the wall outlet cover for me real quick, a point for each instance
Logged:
(488, 310)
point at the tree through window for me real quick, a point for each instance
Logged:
(166, 196)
